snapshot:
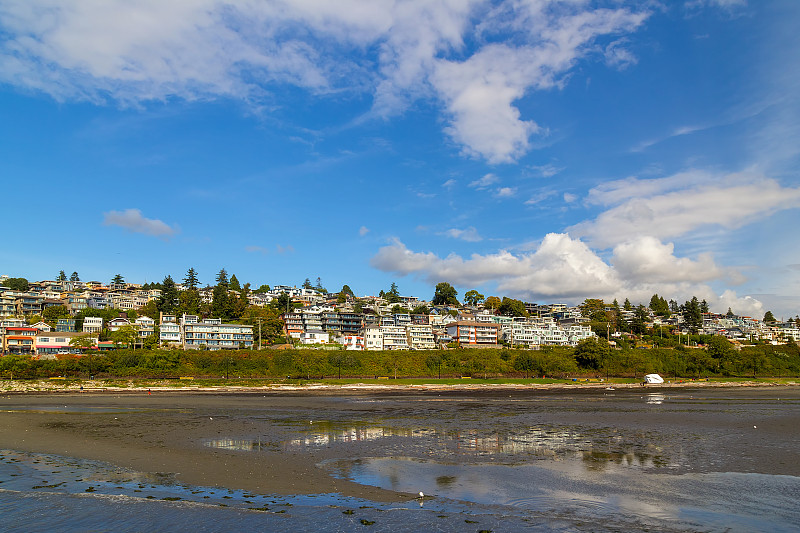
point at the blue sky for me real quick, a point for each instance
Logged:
(544, 150)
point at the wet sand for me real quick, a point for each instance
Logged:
(675, 429)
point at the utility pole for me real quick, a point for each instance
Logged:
(259, 333)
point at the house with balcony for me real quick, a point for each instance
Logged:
(65, 325)
(169, 330)
(212, 334)
(92, 324)
(474, 334)
(420, 337)
(20, 340)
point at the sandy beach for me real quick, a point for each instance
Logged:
(198, 435)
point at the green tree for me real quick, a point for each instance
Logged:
(118, 279)
(592, 353)
(594, 309)
(729, 313)
(190, 302)
(150, 309)
(768, 317)
(62, 276)
(492, 303)
(473, 297)
(692, 316)
(641, 318)
(234, 284)
(169, 301)
(393, 296)
(307, 284)
(420, 310)
(220, 303)
(283, 303)
(261, 290)
(190, 281)
(74, 277)
(17, 284)
(52, 314)
(347, 291)
(445, 294)
(84, 342)
(512, 307)
(627, 305)
(704, 307)
(319, 286)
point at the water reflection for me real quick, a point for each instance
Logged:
(655, 398)
(558, 489)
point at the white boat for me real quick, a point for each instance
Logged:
(653, 378)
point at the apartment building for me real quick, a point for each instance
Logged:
(212, 334)
(474, 334)
(92, 324)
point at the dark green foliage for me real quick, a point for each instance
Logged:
(512, 307)
(768, 317)
(17, 284)
(169, 302)
(445, 294)
(62, 276)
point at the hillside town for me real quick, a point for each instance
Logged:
(68, 316)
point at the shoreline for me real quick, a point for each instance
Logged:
(91, 386)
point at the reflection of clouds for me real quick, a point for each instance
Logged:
(655, 398)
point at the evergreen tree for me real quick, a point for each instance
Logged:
(190, 281)
(62, 276)
(169, 302)
(769, 317)
(220, 303)
(118, 279)
(393, 296)
(729, 313)
(627, 305)
(234, 284)
(74, 277)
(640, 320)
(307, 284)
(704, 307)
(347, 290)
(692, 316)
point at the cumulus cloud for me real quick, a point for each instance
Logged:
(646, 259)
(399, 51)
(133, 221)
(670, 207)
(363, 230)
(566, 269)
(469, 234)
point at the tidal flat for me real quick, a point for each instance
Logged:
(503, 460)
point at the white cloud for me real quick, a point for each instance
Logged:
(137, 51)
(484, 182)
(288, 249)
(547, 171)
(363, 230)
(618, 56)
(569, 197)
(646, 259)
(670, 207)
(506, 192)
(132, 220)
(449, 184)
(540, 197)
(561, 268)
(470, 234)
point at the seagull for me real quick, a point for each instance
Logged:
(421, 495)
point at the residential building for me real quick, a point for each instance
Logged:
(92, 324)
(215, 335)
(19, 340)
(49, 344)
(169, 330)
(420, 337)
(65, 325)
(474, 334)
